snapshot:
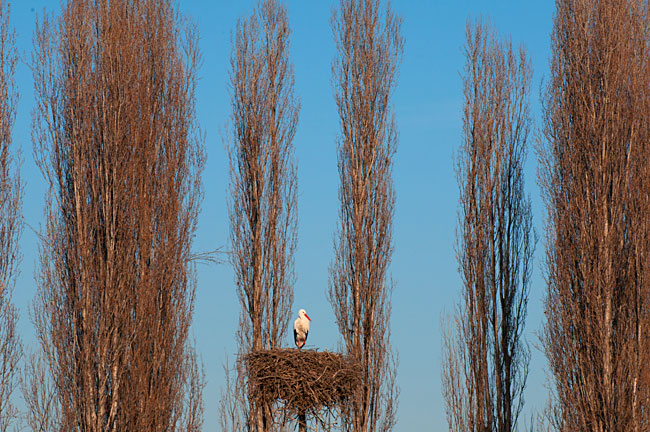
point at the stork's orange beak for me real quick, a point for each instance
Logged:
(308, 317)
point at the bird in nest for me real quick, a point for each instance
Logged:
(301, 328)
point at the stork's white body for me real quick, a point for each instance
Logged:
(301, 328)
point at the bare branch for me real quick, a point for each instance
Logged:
(263, 186)
(11, 224)
(486, 359)
(369, 49)
(115, 136)
(594, 176)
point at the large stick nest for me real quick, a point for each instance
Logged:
(305, 380)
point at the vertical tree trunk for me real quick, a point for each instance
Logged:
(302, 422)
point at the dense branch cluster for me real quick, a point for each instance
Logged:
(594, 176)
(486, 357)
(263, 182)
(364, 72)
(115, 137)
(11, 224)
(263, 189)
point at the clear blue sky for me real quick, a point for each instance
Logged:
(427, 103)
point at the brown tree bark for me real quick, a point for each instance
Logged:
(302, 422)
(263, 186)
(115, 137)
(11, 224)
(486, 357)
(594, 174)
(369, 48)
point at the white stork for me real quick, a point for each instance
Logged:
(301, 328)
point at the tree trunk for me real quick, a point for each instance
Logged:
(302, 422)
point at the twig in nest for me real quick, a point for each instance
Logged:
(305, 381)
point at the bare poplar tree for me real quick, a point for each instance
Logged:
(11, 223)
(594, 175)
(263, 208)
(115, 137)
(486, 358)
(369, 48)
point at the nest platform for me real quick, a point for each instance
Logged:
(306, 381)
